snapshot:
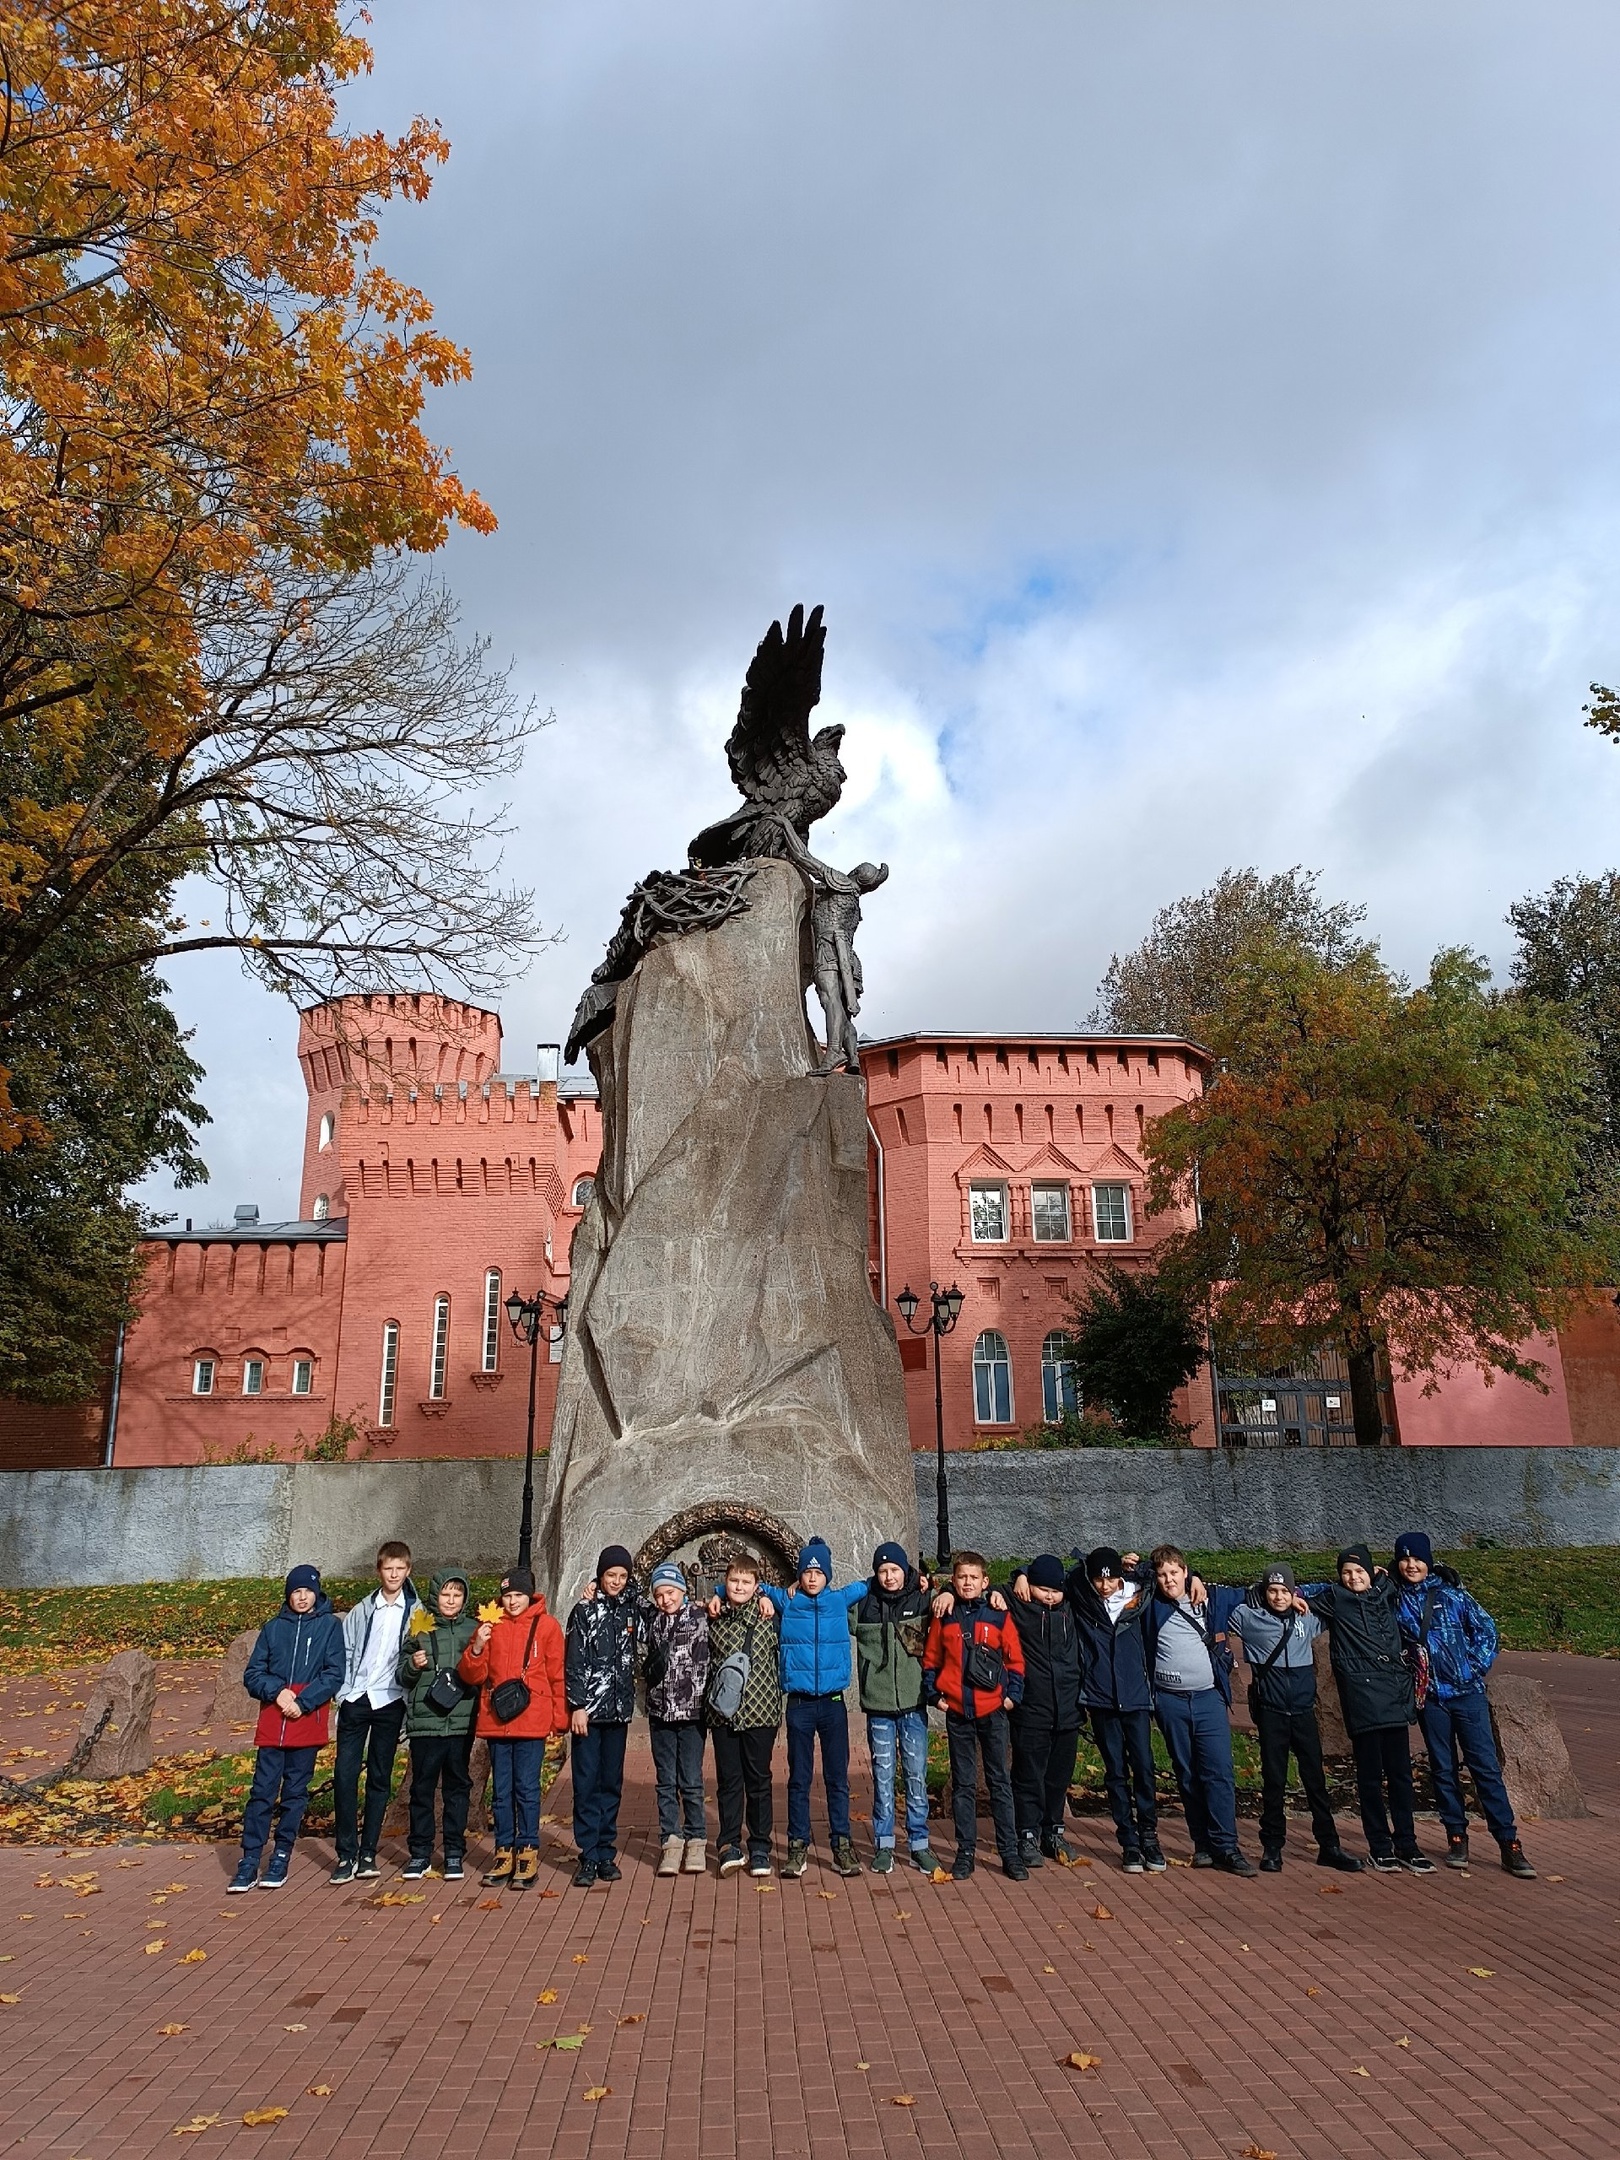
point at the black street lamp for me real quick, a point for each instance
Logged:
(947, 1310)
(527, 1316)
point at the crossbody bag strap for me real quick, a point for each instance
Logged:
(528, 1647)
(1277, 1649)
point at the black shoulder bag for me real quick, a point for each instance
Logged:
(511, 1697)
(1265, 1665)
(447, 1687)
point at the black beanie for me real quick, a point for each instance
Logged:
(1414, 1545)
(1359, 1553)
(519, 1578)
(1104, 1561)
(613, 1556)
(302, 1577)
(1045, 1572)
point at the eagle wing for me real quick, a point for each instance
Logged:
(768, 750)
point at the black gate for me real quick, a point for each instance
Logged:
(1306, 1408)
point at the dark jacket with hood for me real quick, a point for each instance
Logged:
(1369, 1660)
(298, 1650)
(676, 1662)
(444, 1642)
(604, 1636)
(1050, 1636)
(891, 1633)
(1114, 1669)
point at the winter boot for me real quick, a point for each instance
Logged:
(1457, 1848)
(696, 1861)
(525, 1868)
(501, 1873)
(844, 1859)
(669, 1859)
(1516, 1864)
(798, 1858)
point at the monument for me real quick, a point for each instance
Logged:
(727, 1378)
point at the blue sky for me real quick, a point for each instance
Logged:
(1200, 423)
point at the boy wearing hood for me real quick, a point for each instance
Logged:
(295, 1670)
(604, 1636)
(675, 1669)
(516, 1662)
(371, 1711)
(816, 1669)
(1375, 1693)
(1045, 1724)
(1453, 1642)
(890, 1626)
(439, 1710)
(1277, 1639)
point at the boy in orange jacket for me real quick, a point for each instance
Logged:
(974, 1664)
(516, 1662)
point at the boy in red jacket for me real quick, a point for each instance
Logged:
(974, 1664)
(524, 1645)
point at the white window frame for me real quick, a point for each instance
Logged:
(1053, 1407)
(580, 1195)
(1039, 1187)
(984, 1406)
(988, 1185)
(439, 1370)
(1107, 1237)
(389, 1388)
(204, 1372)
(492, 1319)
(253, 1375)
(328, 1130)
(323, 1207)
(303, 1376)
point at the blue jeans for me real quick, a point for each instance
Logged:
(1198, 1733)
(1464, 1724)
(902, 1733)
(281, 1787)
(515, 1767)
(810, 1717)
(598, 1764)
(677, 1752)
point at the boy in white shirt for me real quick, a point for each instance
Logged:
(371, 1711)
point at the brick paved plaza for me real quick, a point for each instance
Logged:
(1306, 2015)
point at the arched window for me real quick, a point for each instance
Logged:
(328, 1127)
(492, 1319)
(583, 1188)
(323, 1206)
(1060, 1390)
(992, 1380)
(390, 1373)
(441, 1347)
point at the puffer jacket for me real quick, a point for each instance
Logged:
(676, 1663)
(298, 1650)
(1369, 1658)
(816, 1657)
(1050, 1638)
(891, 1633)
(1458, 1633)
(508, 1655)
(604, 1636)
(952, 1637)
(443, 1641)
(750, 1627)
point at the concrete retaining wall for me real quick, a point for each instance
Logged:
(129, 1526)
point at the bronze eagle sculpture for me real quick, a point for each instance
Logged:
(789, 776)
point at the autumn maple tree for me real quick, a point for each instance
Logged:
(1389, 1169)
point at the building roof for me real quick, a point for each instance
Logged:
(1078, 1040)
(334, 1231)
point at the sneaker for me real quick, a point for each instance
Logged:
(275, 1875)
(585, 1875)
(731, 1859)
(1012, 1866)
(798, 1859)
(1029, 1850)
(1516, 1864)
(1457, 1848)
(1384, 1863)
(1057, 1847)
(366, 1866)
(671, 1855)
(883, 1860)
(344, 1872)
(962, 1867)
(696, 1858)
(1271, 1861)
(1202, 1857)
(760, 1862)
(925, 1859)
(1415, 1863)
(245, 1878)
(1335, 1856)
(608, 1870)
(499, 1874)
(844, 1857)
(525, 1868)
(1152, 1858)
(453, 1869)
(1133, 1863)
(1233, 1863)
(414, 1870)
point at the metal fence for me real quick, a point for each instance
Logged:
(1310, 1408)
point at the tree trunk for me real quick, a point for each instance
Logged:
(1364, 1404)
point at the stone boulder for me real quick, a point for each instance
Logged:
(235, 1713)
(726, 1367)
(128, 1683)
(1535, 1762)
(1329, 1716)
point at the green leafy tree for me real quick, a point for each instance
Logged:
(1382, 1167)
(1569, 956)
(1134, 1339)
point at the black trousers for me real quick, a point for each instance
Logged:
(370, 1737)
(1125, 1742)
(742, 1769)
(439, 1762)
(1042, 1770)
(1284, 1733)
(1384, 1758)
(968, 1739)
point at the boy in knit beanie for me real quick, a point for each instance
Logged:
(675, 1670)
(296, 1668)
(1045, 1723)
(891, 1632)
(604, 1635)
(816, 1669)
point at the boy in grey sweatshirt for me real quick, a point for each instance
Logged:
(1277, 1639)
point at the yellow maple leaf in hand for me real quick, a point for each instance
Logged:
(422, 1622)
(490, 1614)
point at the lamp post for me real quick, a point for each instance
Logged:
(947, 1310)
(527, 1316)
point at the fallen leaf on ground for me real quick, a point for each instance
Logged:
(1550, 1878)
(1049, 1968)
(901, 2100)
(256, 2118)
(829, 1895)
(1174, 1862)
(1079, 2061)
(580, 1958)
(597, 2092)
(902, 1916)
(1360, 2070)
(1482, 1972)
(940, 1875)
(169, 2031)
(398, 1897)
(1101, 1912)
(582, 2029)
(863, 2066)
(319, 2092)
(157, 1923)
(10, 1998)
(765, 1889)
(636, 2017)
(1257, 2152)
(546, 1995)
(295, 2028)
(489, 1904)
(152, 1948)
(1313, 1991)
(1404, 2041)
(194, 1957)
(132, 1863)
(175, 1889)
(562, 2040)
(1330, 1890)
(197, 2124)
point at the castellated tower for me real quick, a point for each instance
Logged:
(411, 1045)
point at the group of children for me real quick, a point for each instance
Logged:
(1110, 1642)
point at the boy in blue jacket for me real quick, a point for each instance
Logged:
(1185, 1637)
(1455, 1639)
(817, 1666)
(296, 1668)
